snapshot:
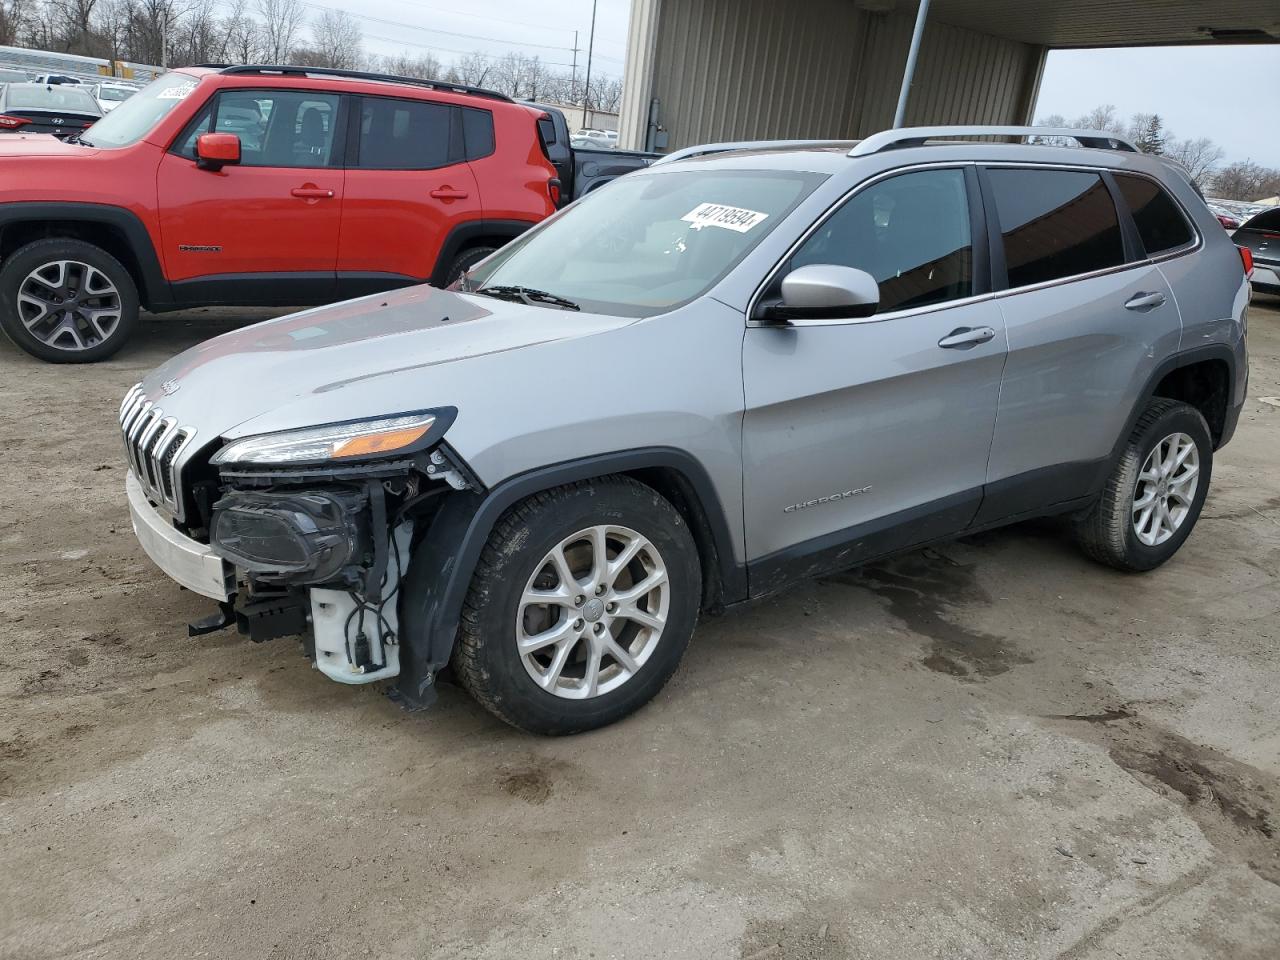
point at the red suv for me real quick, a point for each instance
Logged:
(257, 186)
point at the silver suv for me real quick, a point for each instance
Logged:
(687, 390)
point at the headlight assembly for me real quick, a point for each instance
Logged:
(338, 442)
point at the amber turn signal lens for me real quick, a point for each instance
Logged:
(374, 443)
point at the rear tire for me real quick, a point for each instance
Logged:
(67, 301)
(1155, 492)
(597, 640)
(465, 261)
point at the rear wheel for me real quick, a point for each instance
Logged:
(1155, 492)
(581, 606)
(465, 261)
(67, 301)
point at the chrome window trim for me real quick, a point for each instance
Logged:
(1098, 169)
(827, 215)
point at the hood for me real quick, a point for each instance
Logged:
(411, 349)
(40, 145)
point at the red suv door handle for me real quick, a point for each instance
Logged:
(448, 193)
(312, 193)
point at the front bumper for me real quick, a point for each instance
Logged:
(192, 564)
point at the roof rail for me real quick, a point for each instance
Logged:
(294, 71)
(706, 149)
(919, 136)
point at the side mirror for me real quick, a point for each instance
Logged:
(215, 150)
(823, 291)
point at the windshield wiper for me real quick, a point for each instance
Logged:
(527, 295)
(80, 140)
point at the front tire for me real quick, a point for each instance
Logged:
(580, 608)
(1155, 492)
(67, 301)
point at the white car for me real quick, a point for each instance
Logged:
(111, 95)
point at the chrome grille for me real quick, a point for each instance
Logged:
(152, 443)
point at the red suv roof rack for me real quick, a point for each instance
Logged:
(356, 75)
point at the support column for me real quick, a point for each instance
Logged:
(638, 78)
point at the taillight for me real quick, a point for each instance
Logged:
(553, 190)
(1246, 257)
(12, 123)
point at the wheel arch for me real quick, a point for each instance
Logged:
(117, 231)
(477, 233)
(445, 555)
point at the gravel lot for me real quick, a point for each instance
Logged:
(991, 749)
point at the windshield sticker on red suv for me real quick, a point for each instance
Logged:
(176, 93)
(737, 219)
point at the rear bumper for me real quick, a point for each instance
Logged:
(1266, 276)
(193, 565)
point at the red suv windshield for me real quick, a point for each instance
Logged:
(134, 119)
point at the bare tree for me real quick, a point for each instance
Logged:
(242, 35)
(1102, 118)
(1199, 157)
(474, 69)
(425, 67)
(281, 23)
(1246, 180)
(336, 40)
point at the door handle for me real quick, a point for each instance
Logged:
(312, 193)
(449, 193)
(963, 338)
(1144, 301)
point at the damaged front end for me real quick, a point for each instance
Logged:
(319, 526)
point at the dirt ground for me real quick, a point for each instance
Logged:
(991, 749)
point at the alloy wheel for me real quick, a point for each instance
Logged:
(593, 612)
(1166, 489)
(69, 305)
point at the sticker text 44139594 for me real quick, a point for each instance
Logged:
(736, 219)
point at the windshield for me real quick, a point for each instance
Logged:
(114, 93)
(32, 97)
(134, 119)
(647, 242)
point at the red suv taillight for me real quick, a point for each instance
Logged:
(12, 123)
(553, 190)
(1246, 257)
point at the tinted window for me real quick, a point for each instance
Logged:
(1056, 223)
(477, 129)
(910, 232)
(1160, 223)
(1267, 220)
(403, 134)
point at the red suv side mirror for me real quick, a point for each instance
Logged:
(215, 150)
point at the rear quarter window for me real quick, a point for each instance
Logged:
(477, 132)
(1157, 216)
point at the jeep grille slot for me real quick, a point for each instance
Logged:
(152, 443)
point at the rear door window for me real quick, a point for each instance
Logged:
(1157, 216)
(404, 134)
(1055, 224)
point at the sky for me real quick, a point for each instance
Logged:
(1215, 92)
(447, 28)
(1199, 91)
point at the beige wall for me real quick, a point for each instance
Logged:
(821, 69)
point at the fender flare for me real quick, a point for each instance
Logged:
(152, 285)
(1184, 358)
(445, 556)
(466, 234)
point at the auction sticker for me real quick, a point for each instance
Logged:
(736, 219)
(178, 92)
